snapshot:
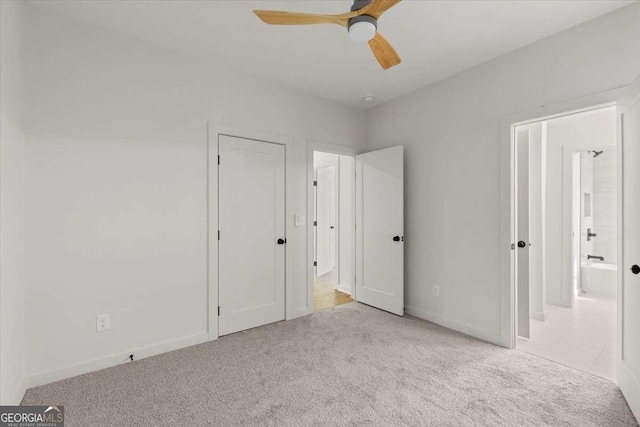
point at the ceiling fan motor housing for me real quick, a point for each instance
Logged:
(359, 4)
(363, 18)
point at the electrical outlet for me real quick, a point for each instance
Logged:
(102, 322)
(436, 291)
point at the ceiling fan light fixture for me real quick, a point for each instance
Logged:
(362, 28)
(361, 24)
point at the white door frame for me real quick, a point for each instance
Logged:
(213, 131)
(508, 266)
(313, 145)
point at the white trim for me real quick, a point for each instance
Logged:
(543, 315)
(558, 302)
(620, 224)
(113, 360)
(465, 328)
(214, 130)
(343, 288)
(630, 387)
(507, 192)
(314, 145)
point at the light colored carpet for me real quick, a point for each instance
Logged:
(349, 365)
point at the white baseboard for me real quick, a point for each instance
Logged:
(344, 288)
(539, 315)
(559, 302)
(465, 328)
(299, 312)
(114, 360)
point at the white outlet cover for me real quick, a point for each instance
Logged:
(102, 322)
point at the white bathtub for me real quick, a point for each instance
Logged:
(599, 278)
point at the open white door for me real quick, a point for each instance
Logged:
(629, 264)
(380, 229)
(325, 219)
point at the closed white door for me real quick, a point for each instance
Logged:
(380, 229)
(522, 246)
(629, 331)
(325, 219)
(251, 226)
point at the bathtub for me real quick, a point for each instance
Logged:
(599, 278)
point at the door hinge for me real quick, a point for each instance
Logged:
(315, 183)
(315, 223)
(218, 234)
(218, 310)
(315, 263)
(218, 158)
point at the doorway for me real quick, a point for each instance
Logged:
(566, 247)
(334, 229)
(370, 218)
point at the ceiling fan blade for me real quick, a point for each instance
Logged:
(377, 7)
(292, 18)
(384, 52)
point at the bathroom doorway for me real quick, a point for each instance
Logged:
(566, 210)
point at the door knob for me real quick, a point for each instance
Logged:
(635, 269)
(282, 241)
(521, 244)
(396, 238)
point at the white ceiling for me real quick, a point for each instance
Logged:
(435, 39)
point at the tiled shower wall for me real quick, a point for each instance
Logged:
(586, 187)
(605, 205)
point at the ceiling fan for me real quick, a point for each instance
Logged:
(361, 22)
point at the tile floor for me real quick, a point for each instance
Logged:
(583, 337)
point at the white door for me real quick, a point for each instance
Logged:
(380, 229)
(522, 246)
(325, 219)
(251, 243)
(629, 331)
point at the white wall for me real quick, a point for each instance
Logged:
(567, 135)
(605, 206)
(116, 188)
(454, 172)
(12, 352)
